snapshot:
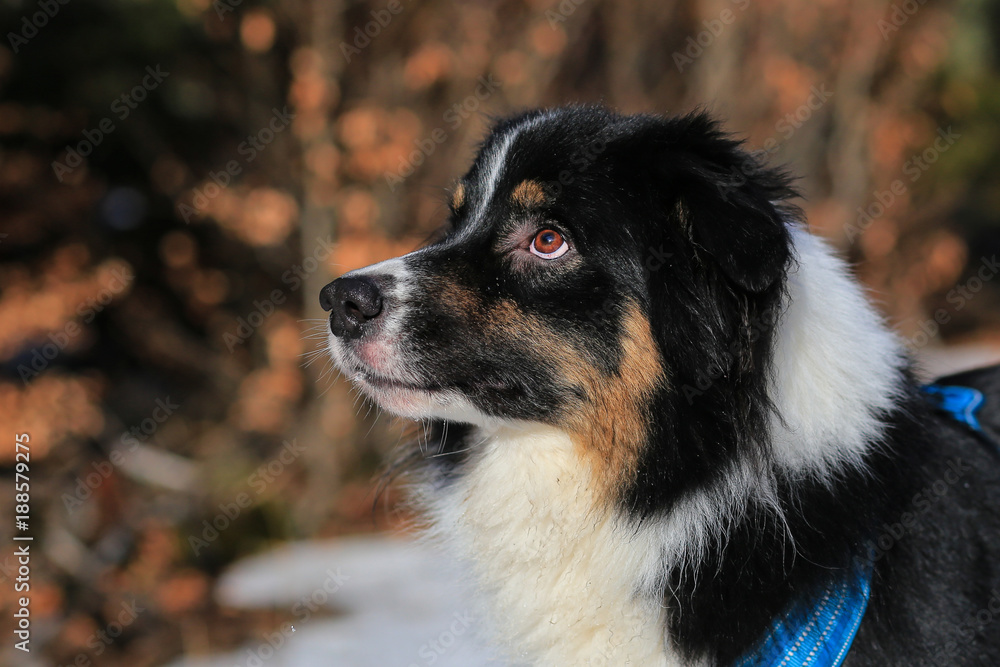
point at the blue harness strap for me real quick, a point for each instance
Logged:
(820, 633)
(815, 633)
(962, 403)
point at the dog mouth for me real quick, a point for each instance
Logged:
(413, 398)
(378, 369)
(395, 383)
(417, 399)
(369, 378)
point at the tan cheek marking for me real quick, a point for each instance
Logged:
(458, 197)
(506, 323)
(613, 426)
(529, 194)
(453, 297)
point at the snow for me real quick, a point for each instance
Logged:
(403, 606)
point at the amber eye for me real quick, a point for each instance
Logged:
(549, 244)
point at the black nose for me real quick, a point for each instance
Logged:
(352, 302)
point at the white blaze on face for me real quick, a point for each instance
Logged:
(492, 168)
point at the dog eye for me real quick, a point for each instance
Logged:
(549, 244)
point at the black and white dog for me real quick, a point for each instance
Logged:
(666, 417)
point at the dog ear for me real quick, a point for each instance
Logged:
(731, 207)
(743, 232)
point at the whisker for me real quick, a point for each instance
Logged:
(457, 451)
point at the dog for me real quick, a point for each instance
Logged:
(666, 425)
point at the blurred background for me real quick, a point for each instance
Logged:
(179, 178)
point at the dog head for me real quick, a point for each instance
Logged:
(611, 276)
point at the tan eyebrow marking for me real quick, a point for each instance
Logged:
(458, 197)
(529, 194)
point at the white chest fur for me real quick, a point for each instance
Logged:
(560, 573)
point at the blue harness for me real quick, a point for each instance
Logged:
(819, 633)
(815, 634)
(962, 403)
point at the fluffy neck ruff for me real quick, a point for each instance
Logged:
(838, 369)
(557, 567)
(572, 579)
